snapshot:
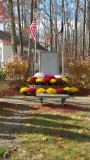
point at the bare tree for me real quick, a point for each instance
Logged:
(30, 60)
(51, 26)
(84, 22)
(88, 25)
(20, 32)
(76, 20)
(13, 29)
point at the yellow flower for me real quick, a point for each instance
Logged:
(39, 80)
(53, 80)
(41, 90)
(23, 89)
(66, 80)
(67, 89)
(28, 80)
(74, 90)
(51, 91)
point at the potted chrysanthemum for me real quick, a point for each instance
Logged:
(59, 90)
(31, 80)
(66, 90)
(73, 91)
(31, 91)
(59, 81)
(50, 76)
(53, 81)
(46, 81)
(65, 80)
(23, 90)
(39, 81)
(41, 90)
(51, 91)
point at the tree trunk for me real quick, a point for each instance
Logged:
(51, 26)
(84, 21)
(13, 30)
(76, 19)
(56, 31)
(20, 32)
(88, 25)
(31, 59)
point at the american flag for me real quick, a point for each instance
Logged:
(32, 30)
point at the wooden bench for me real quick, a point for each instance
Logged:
(63, 97)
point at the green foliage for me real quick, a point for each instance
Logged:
(2, 152)
(2, 75)
(79, 72)
(15, 68)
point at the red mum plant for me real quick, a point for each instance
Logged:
(50, 76)
(31, 90)
(59, 81)
(32, 80)
(59, 90)
(46, 80)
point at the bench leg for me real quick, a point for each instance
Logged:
(62, 101)
(41, 99)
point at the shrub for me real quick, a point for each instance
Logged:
(2, 75)
(15, 68)
(79, 73)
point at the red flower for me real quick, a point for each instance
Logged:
(33, 80)
(31, 90)
(46, 80)
(50, 76)
(59, 80)
(60, 90)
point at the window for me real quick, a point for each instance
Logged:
(0, 53)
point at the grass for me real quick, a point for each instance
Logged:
(2, 152)
(54, 137)
(46, 135)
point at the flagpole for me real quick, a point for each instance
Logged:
(63, 71)
(35, 37)
(35, 55)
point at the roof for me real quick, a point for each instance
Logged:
(6, 37)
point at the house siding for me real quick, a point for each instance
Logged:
(7, 52)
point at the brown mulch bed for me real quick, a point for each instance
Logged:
(8, 93)
(84, 92)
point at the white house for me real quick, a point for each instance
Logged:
(6, 48)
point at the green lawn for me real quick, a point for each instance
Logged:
(52, 136)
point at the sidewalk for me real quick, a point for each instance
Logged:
(82, 101)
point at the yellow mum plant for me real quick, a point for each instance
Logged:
(38, 80)
(51, 91)
(74, 90)
(23, 90)
(41, 90)
(53, 80)
(67, 89)
(66, 80)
